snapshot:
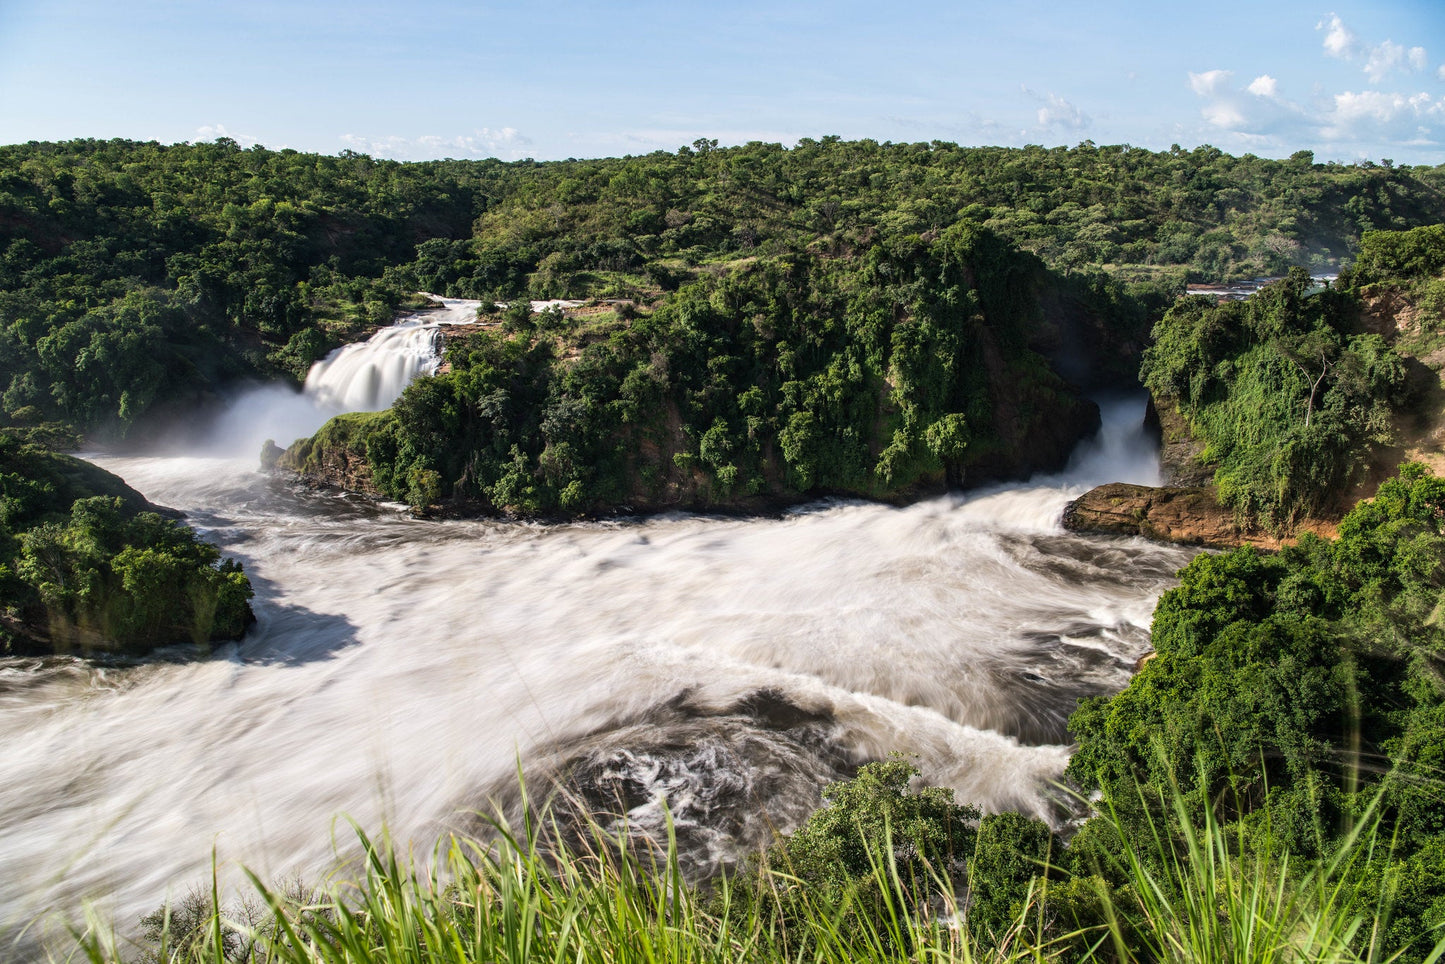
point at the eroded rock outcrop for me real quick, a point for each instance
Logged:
(334, 458)
(1181, 461)
(1184, 514)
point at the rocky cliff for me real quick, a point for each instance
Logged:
(1190, 515)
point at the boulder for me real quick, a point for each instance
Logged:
(1186, 514)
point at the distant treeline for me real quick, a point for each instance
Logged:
(139, 276)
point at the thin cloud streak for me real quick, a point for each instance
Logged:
(504, 143)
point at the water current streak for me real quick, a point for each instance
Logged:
(724, 668)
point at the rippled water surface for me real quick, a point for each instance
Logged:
(401, 669)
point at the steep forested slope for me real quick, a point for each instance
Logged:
(916, 364)
(1299, 393)
(136, 275)
(88, 565)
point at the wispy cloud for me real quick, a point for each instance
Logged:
(1059, 113)
(1412, 117)
(1210, 82)
(503, 142)
(1056, 113)
(1258, 113)
(211, 132)
(1340, 41)
(1380, 60)
(1263, 86)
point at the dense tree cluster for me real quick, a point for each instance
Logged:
(135, 276)
(87, 565)
(1289, 395)
(912, 365)
(1294, 695)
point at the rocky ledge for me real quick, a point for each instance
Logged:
(1185, 514)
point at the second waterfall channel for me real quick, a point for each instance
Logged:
(720, 669)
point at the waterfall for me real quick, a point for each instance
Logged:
(362, 377)
(368, 376)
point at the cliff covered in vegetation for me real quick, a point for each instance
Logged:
(915, 365)
(1293, 405)
(139, 279)
(88, 565)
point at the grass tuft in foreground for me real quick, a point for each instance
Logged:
(1192, 893)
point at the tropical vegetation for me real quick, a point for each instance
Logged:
(139, 278)
(87, 565)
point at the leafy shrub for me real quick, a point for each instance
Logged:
(1290, 404)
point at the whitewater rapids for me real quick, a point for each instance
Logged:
(724, 668)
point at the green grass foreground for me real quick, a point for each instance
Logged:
(1194, 894)
(1269, 788)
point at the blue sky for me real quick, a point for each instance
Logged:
(554, 79)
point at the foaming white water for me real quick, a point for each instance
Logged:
(1122, 451)
(401, 667)
(361, 377)
(368, 376)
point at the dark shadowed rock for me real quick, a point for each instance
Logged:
(1180, 453)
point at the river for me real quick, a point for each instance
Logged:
(401, 669)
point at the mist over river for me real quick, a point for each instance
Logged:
(400, 668)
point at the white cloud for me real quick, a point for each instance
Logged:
(1225, 114)
(503, 142)
(1256, 116)
(1441, 72)
(1340, 41)
(1226, 107)
(1263, 86)
(1375, 112)
(1209, 82)
(1055, 114)
(1381, 59)
(211, 132)
(1058, 112)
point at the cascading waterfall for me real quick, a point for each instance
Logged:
(368, 376)
(365, 376)
(720, 670)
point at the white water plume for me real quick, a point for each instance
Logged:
(400, 669)
(365, 376)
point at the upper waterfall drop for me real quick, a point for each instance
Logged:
(369, 376)
(362, 377)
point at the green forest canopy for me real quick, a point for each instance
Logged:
(137, 276)
(88, 565)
